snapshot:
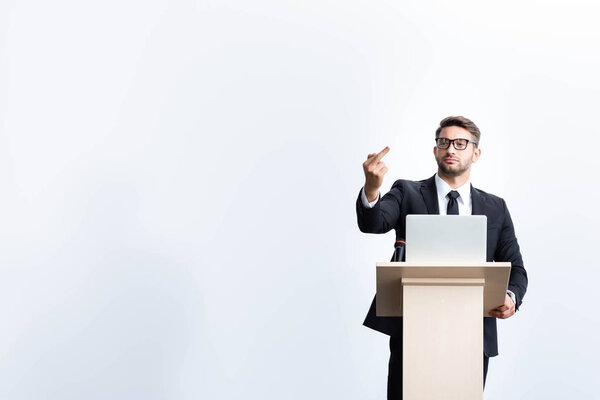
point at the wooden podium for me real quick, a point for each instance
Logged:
(443, 305)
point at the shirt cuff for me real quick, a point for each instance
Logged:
(365, 201)
(513, 297)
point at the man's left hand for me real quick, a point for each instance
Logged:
(505, 311)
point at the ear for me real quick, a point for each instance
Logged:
(476, 154)
(435, 151)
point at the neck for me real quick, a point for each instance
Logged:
(455, 181)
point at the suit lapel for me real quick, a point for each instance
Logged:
(477, 202)
(429, 193)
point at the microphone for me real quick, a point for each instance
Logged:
(399, 247)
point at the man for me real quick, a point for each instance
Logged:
(449, 191)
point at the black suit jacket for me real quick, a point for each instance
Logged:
(410, 197)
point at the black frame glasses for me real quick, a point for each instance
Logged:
(457, 143)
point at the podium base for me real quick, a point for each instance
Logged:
(443, 324)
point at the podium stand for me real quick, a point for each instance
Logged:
(443, 305)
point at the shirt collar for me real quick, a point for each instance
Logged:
(443, 188)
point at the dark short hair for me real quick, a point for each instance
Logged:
(461, 122)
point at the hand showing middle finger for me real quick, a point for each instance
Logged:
(374, 170)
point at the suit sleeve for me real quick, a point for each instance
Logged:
(384, 215)
(508, 250)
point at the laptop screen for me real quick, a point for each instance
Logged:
(446, 238)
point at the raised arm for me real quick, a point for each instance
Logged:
(381, 216)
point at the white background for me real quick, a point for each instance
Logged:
(178, 182)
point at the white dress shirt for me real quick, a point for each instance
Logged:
(465, 206)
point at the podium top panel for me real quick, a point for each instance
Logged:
(444, 264)
(390, 274)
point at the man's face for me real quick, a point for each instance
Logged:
(454, 162)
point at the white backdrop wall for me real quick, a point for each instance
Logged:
(178, 182)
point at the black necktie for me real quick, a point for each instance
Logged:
(452, 203)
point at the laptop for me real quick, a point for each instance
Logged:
(446, 238)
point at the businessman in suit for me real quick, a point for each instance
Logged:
(448, 192)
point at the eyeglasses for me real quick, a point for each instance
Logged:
(459, 144)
